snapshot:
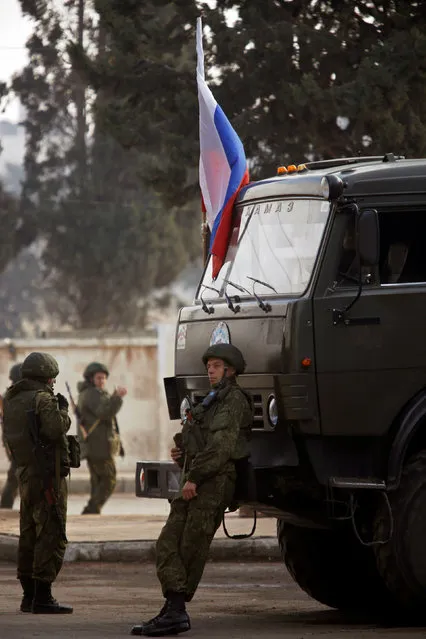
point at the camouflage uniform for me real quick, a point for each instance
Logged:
(184, 542)
(42, 540)
(214, 437)
(98, 407)
(10, 489)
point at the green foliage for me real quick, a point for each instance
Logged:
(111, 255)
(285, 72)
(112, 121)
(17, 227)
(108, 242)
(146, 74)
(293, 69)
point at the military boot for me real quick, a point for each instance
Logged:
(27, 584)
(171, 620)
(90, 510)
(44, 603)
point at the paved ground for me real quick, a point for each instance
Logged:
(126, 518)
(233, 601)
(79, 483)
(121, 503)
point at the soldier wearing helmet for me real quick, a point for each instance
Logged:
(214, 437)
(10, 489)
(99, 433)
(42, 539)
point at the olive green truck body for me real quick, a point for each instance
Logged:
(324, 292)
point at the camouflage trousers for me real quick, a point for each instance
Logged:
(42, 545)
(183, 545)
(10, 489)
(103, 479)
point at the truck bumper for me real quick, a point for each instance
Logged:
(157, 479)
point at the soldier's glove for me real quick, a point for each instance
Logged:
(122, 453)
(62, 402)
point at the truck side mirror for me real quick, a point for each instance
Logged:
(369, 237)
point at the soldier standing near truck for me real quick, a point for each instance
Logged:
(10, 489)
(99, 433)
(35, 425)
(213, 438)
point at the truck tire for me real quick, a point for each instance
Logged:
(333, 568)
(402, 561)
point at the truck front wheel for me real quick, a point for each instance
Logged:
(333, 568)
(402, 561)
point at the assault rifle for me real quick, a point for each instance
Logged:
(76, 412)
(117, 430)
(45, 460)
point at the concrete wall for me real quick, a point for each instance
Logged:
(139, 363)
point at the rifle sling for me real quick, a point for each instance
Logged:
(58, 469)
(92, 427)
(198, 437)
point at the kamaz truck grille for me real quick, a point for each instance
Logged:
(258, 412)
(258, 422)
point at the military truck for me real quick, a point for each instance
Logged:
(324, 291)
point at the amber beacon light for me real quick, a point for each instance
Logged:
(291, 168)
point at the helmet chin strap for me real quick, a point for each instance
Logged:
(225, 374)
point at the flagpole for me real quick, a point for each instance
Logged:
(205, 231)
(205, 235)
(223, 170)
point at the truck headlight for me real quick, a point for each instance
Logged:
(272, 411)
(184, 406)
(325, 188)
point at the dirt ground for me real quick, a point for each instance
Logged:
(234, 601)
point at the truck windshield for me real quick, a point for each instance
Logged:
(274, 241)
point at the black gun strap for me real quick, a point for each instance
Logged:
(57, 476)
(58, 469)
(198, 437)
(117, 430)
(36, 421)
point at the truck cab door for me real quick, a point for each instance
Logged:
(370, 347)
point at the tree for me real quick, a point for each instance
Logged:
(17, 227)
(147, 78)
(112, 250)
(108, 242)
(299, 79)
(320, 77)
(17, 221)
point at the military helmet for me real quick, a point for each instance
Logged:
(229, 353)
(40, 366)
(93, 368)
(15, 373)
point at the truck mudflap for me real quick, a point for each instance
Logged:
(157, 479)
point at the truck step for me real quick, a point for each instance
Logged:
(358, 483)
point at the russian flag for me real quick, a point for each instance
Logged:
(223, 164)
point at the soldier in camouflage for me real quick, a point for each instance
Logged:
(42, 539)
(10, 489)
(99, 433)
(213, 437)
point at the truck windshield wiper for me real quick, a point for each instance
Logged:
(237, 298)
(265, 307)
(234, 309)
(260, 282)
(238, 287)
(208, 309)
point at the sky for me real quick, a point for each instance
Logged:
(14, 31)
